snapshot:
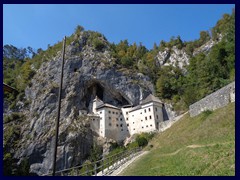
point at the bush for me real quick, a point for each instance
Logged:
(87, 168)
(98, 44)
(142, 141)
(207, 113)
(132, 145)
(13, 117)
(126, 61)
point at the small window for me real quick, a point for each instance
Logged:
(121, 125)
(134, 129)
(109, 112)
(75, 69)
(156, 109)
(133, 122)
(116, 112)
(126, 112)
(146, 125)
(113, 112)
(121, 129)
(157, 116)
(150, 125)
(117, 125)
(127, 124)
(110, 124)
(141, 120)
(121, 113)
(150, 117)
(140, 112)
(93, 119)
(145, 118)
(100, 112)
(133, 115)
(142, 127)
(149, 109)
(145, 110)
(127, 118)
(101, 132)
(120, 119)
(110, 118)
(117, 119)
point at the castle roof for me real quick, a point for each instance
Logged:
(107, 105)
(151, 98)
(136, 108)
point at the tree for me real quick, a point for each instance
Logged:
(204, 37)
(11, 52)
(162, 45)
(98, 44)
(169, 82)
(79, 29)
(155, 47)
(127, 61)
(179, 42)
(39, 50)
(31, 52)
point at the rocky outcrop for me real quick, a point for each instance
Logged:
(179, 58)
(172, 57)
(205, 48)
(87, 73)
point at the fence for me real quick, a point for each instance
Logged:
(102, 167)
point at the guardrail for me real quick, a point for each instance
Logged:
(101, 167)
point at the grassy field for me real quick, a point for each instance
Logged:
(203, 145)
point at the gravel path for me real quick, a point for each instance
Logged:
(125, 165)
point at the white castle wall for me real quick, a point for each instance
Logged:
(118, 124)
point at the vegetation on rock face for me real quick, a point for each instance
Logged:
(205, 73)
(11, 138)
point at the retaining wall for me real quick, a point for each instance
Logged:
(215, 100)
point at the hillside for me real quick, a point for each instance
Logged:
(178, 72)
(203, 145)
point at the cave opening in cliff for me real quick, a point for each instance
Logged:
(105, 93)
(99, 91)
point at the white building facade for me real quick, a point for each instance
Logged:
(120, 123)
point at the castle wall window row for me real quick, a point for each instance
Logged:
(130, 117)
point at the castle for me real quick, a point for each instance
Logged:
(119, 123)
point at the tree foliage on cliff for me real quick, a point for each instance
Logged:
(206, 72)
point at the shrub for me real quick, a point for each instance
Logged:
(126, 61)
(142, 141)
(98, 44)
(207, 113)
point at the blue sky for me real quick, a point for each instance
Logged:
(39, 25)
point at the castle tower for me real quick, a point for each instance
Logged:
(96, 102)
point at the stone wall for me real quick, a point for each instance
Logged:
(168, 123)
(215, 100)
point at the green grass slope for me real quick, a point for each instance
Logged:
(203, 145)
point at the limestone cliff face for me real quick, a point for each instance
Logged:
(87, 73)
(179, 58)
(174, 57)
(205, 48)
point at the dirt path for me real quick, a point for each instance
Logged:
(193, 146)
